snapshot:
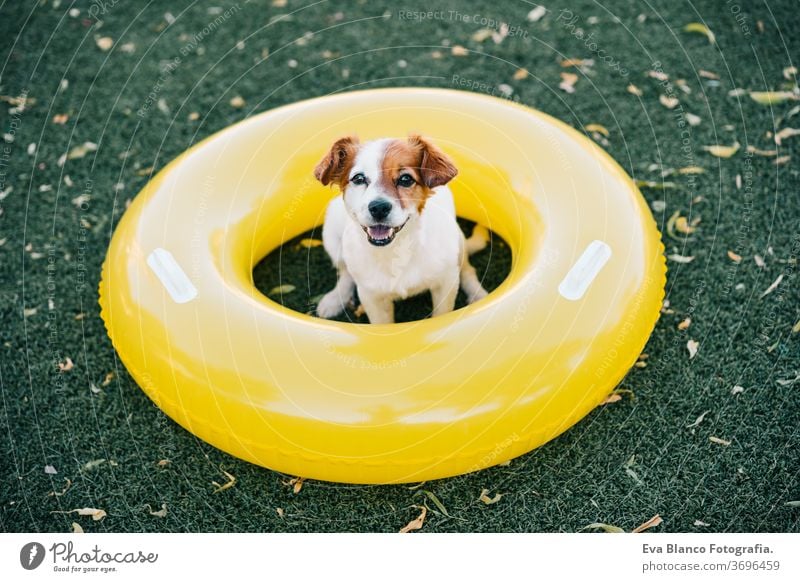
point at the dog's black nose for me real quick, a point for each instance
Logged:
(379, 208)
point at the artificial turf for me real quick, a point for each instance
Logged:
(168, 77)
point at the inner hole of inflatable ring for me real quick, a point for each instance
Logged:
(298, 273)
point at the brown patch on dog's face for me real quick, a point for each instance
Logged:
(335, 166)
(412, 168)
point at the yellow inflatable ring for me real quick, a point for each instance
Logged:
(384, 403)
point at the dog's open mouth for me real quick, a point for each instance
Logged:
(381, 235)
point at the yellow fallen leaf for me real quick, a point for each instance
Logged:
(734, 257)
(417, 523)
(758, 152)
(611, 399)
(227, 485)
(722, 151)
(238, 102)
(634, 90)
(605, 527)
(682, 225)
(459, 51)
(482, 34)
(685, 324)
(521, 74)
(105, 43)
(692, 347)
(786, 133)
(650, 523)
(772, 287)
(598, 128)
(60, 118)
(107, 380)
(719, 441)
(568, 81)
(310, 243)
(691, 170)
(281, 290)
(668, 102)
(66, 366)
(160, 513)
(772, 97)
(796, 327)
(700, 28)
(484, 497)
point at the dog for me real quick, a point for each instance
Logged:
(392, 232)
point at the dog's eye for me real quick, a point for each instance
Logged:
(405, 181)
(359, 179)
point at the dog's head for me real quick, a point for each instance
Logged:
(385, 183)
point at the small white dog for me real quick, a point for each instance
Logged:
(392, 233)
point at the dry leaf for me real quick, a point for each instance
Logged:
(60, 118)
(634, 90)
(598, 128)
(50, 470)
(692, 346)
(682, 225)
(281, 290)
(605, 527)
(459, 51)
(781, 160)
(692, 119)
(658, 75)
(227, 485)
(698, 420)
(78, 152)
(238, 102)
(758, 152)
(772, 97)
(668, 102)
(297, 484)
(611, 399)
(160, 513)
(680, 259)
(737, 390)
(194, 116)
(721, 151)
(707, 74)
(772, 287)
(482, 34)
(76, 527)
(796, 327)
(280, 512)
(310, 243)
(417, 523)
(759, 260)
(700, 28)
(484, 497)
(684, 325)
(734, 257)
(521, 74)
(536, 14)
(66, 366)
(789, 73)
(699, 523)
(786, 133)
(688, 170)
(96, 514)
(107, 380)
(650, 523)
(163, 462)
(719, 441)
(105, 43)
(568, 81)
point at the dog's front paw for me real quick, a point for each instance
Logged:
(479, 294)
(330, 305)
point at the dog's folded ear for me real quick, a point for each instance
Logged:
(336, 163)
(435, 167)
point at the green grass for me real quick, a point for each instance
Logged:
(52, 250)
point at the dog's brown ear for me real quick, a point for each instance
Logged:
(336, 163)
(436, 169)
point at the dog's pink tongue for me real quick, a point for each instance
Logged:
(379, 231)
